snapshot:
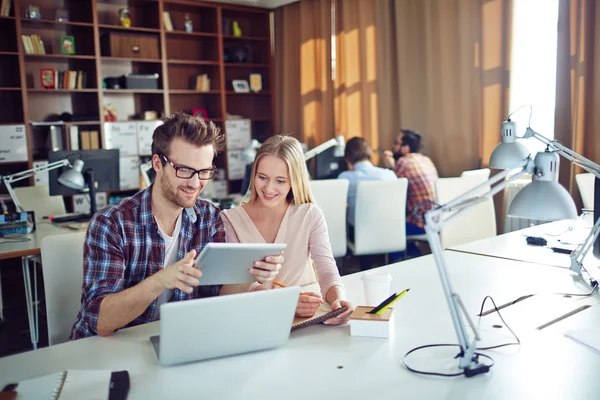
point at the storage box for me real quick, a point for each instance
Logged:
(141, 81)
(13, 143)
(122, 136)
(130, 45)
(145, 132)
(129, 173)
(371, 325)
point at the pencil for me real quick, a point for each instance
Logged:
(282, 285)
(391, 302)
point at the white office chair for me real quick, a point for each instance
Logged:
(380, 217)
(331, 197)
(585, 183)
(482, 173)
(62, 266)
(477, 222)
(38, 200)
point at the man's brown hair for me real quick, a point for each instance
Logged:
(193, 130)
(357, 150)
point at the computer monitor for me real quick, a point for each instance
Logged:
(328, 166)
(246, 181)
(596, 250)
(99, 166)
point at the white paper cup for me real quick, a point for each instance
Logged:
(377, 287)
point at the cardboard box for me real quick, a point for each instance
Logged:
(129, 171)
(13, 143)
(81, 202)
(122, 136)
(371, 325)
(238, 134)
(145, 131)
(41, 178)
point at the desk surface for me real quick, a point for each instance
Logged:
(308, 366)
(31, 247)
(512, 246)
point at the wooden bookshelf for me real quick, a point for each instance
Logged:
(211, 49)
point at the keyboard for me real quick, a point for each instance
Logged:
(71, 217)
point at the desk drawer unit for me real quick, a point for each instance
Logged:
(131, 45)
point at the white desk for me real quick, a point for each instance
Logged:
(512, 246)
(307, 366)
(27, 250)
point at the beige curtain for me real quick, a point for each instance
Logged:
(304, 89)
(577, 119)
(356, 81)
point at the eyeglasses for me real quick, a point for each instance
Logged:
(188, 173)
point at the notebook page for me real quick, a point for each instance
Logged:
(91, 385)
(589, 338)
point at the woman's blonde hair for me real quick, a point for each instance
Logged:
(290, 151)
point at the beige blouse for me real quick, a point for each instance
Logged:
(304, 231)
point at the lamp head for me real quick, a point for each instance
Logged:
(73, 178)
(340, 148)
(509, 152)
(544, 198)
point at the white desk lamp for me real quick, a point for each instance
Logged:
(338, 142)
(71, 178)
(555, 204)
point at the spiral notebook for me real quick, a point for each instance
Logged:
(75, 384)
(323, 314)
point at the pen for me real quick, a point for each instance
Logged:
(392, 302)
(383, 303)
(282, 285)
(561, 250)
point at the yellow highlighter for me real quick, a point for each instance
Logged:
(391, 302)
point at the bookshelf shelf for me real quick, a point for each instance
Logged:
(29, 21)
(59, 57)
(54, 91)
(131, 29)
(83, 123)
(10, 89)
(136, 60)
(9, 53)
(191, 34)
(194, 92)
(131, 91)
(241, 38)
(193, 62)
(261, 93)
(246, 65)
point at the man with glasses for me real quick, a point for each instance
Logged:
(139, 253)
(407, 162)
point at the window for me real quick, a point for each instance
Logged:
(533, 67)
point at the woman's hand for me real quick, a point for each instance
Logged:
(308, 304)
(343, 317)
(266, 270)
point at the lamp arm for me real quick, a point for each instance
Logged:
(320, 148)
(579, 254)
(19, 176)
(575, 158)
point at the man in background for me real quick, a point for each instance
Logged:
(358, 154)
(407, 162)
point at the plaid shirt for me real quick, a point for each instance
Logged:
(421, 173)
(123, 247)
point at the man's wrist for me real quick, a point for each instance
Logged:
(155, 284)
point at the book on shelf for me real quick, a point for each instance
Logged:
(202, 83)
(71, 80)
(33, 44)
(167, 23)
(5, 9)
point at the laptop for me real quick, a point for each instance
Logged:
(202, 329)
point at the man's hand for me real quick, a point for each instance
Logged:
(308, 304)
(182, 275)
(265, 271)
(388, 159)
(343, 317)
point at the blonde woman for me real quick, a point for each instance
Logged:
(281, 209)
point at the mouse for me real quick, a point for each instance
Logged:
(536, 240)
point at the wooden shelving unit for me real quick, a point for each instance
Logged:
(180, 56)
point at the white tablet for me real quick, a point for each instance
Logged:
(228, 263)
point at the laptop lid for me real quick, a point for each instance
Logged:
(220, 326)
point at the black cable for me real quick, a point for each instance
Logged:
(517, 343)
(433, 373)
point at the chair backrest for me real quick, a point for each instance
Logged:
(585, 182)
(484, 173)
(380, 217)
(62, 266)
(331, 197)
(38, 200)
(477, 222)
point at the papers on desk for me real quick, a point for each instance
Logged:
(72, 384)
(589, 338)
